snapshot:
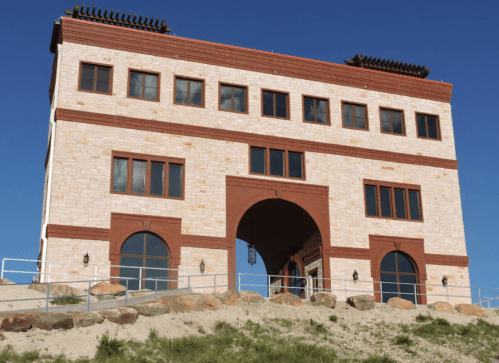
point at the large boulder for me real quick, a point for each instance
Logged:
(398, 303)
(172, 302)
(442, 307)
(232, 297)
(199, 302)
(82, 319)
(286, 298)
(361, 302)
(120, 315)
(326, 299)
(5, 282)
(151, 309)
(471, 310)
(15, 322)
(56, 290)
(105, 288)
(251, 297)
(50, 321)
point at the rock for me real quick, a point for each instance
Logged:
(172, 302)
(286, 298)
(471, 310)
(251, 297)
(15, 322)
(6, 282)
(105, 288)
(151, 309)
(50, 321)
(441, 306)
(200, 302)
(120, 315)
(398, 303)
(82, 320)
(56, 290)
(229, 298)
(361, 302)
(326, 299)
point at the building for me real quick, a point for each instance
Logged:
(163, 150)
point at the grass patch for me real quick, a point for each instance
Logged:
(70, 300)
(317, 328)
(403, 340)
(379, 359)
(333, 318)
(423, 318)
(109, 348)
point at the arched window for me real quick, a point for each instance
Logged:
(294, 280)
(398, 277)
(148, 251)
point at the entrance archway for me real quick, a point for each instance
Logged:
(398, 276)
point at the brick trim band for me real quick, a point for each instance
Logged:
(348, 252)
(77, 232)
(173, 47)
(447, 260)
(249, 138)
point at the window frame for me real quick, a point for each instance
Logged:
(143, 72)
(185, 78)
(167, 160)
(404, 129)
(288, 116)
(366, 115)
(232, 85)
(315, 98)
(101, 65)
(416, 113)
(286, 161)
(407, 187)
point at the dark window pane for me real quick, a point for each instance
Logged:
(276, 162)
(414, 204)
(386, 207)
(130, 272)
(139, 177)
(400, 203)
(321, 111)
(404, 264)
(87, 78)
(157, 178)
(385, 121)
(175, 181)
(159, 274)
(371, 200)
(225, 98)
(388, 263)
(432, 127)
(135, 84)
(295, 165)
(407, 292)
(196, 93)
(120, 175)
(281, 99)
(103, 79)
(397, 122)
(347, 115)
(134, 245)
(360, 121)
(155, 246)
(151, 87)
(268, 104)
(421, 126)
(389, 286)
(268, 110)
(281, 111)
(240, 99)
(257, 160)
(309, 109)
(386, 127)
(181, 91)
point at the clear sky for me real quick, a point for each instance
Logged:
(457, 40)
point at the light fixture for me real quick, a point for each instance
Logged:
(201, 266)
(86, 259)
(444, 281)
(355, 275)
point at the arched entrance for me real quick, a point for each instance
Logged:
(398, 276)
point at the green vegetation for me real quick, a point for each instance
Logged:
(70, 300)
(333, 318)
(317, 328)
(109, 348)
(378, 359)
(423, 318)
(403, 340)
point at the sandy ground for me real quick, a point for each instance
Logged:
(351, 334)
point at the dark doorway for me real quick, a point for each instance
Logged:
(398, 277)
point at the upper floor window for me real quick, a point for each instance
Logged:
(315, 110)
(95, 78)
(147, 175)
(275, 104)
(393, 200)
(275, 162)
(354, 116)
(143, 85)
(392, 121)
(428, 126)
(233, 98)
(189, 91)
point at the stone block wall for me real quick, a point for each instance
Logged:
(458, 279)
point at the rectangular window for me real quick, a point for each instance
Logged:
(392, 200)
(95, 78)
(354, 116)
(315, 110)
(392, 121)
(274, 104)
(143, 85)
(189, 92)
(273, 162)
(428, 126)
(233, 98)
(147, 175)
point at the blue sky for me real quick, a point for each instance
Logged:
(457, 40)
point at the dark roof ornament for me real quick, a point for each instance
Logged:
(152, 25)
(386, 65)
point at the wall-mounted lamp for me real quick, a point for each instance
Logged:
(355, 275)
(444, 281)
(86, 259)
(201, 267)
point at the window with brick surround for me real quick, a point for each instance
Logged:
(392, 121)
(233, 98)
(315, 110)
(143, 85)
(277, 162)
(354, 116)
(428, 126)
(275, 104)
(189, 91)
(147, 175)
(393, 200)
(95, 78)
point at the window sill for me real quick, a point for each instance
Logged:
(147, 195)
(142, 99)
(97, 92)
(396, 219)
(278, 176)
